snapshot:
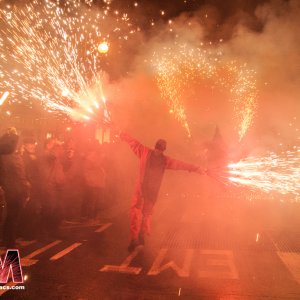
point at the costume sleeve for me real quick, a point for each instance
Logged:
(135, 145)
(180, 165)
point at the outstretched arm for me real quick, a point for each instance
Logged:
(135, 145)
(174, 164)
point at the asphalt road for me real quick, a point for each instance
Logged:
(229, 249)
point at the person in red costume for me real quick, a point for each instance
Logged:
(153, 164)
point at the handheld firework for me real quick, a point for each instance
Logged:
(272, 173)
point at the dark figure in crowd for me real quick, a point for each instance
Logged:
(73, 188)
(30, 217)
(153, 164)
(94, 183)
(216, 152)
(16, 189)
(53, 180)
(8, 143)
(217, 160)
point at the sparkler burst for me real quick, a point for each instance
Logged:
(49, 53)
(3, 98)
(178, 67)
(272, 173)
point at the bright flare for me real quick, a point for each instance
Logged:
(103, 48)
(272, 173)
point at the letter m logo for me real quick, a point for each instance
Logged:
(11, 264)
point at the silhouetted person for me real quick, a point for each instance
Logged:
(16, 189)
(31, 213)
(53, 179)
(216, 152)
(73, 188)
(8, 143)
(153, 164)
(94, 184)
(217, 161)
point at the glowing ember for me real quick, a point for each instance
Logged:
(179, 66)
(272, 173)
(103, 48)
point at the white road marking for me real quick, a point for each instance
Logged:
(103, 227)
(216, 264)
(28, 260)
(43, 249)
(157, 266)
(80, 225)
(292, 261)
(218, 258)
(65, 251)
(124, 267)
(23, 243)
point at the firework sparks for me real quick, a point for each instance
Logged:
(273, 173)
(103, 47)
(49, 54)
(180, 66)
(3, 98)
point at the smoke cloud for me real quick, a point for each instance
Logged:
(267, 41)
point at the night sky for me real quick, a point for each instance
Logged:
(261, 35)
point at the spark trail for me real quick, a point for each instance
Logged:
(178, 67)
(278, 173)
(49, 53)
